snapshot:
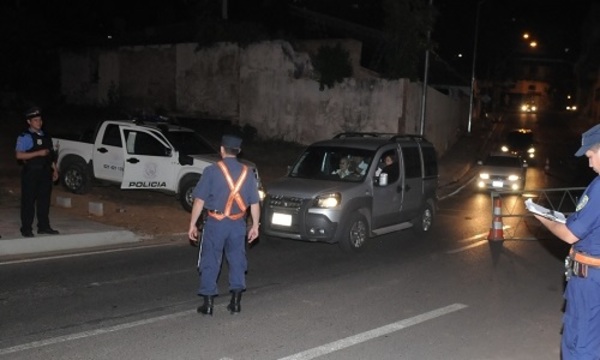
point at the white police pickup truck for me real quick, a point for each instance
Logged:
(136, 155)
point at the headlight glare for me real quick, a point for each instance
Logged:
(328, 200)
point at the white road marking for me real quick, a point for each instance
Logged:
(305, 355)
(474, 237)
(479, 243)
(371, 334)
(87, 334)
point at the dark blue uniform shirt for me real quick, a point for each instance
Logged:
(214, 190)
(585, 222)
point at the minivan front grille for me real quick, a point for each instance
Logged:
(284, 202)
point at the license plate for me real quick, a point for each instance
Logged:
(497, 184)
(281, 219)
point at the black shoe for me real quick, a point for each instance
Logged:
(234, 306)
(49, 231)
(207, 307)
(27, 233)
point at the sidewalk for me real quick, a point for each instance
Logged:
(456, 168)
(76, 233)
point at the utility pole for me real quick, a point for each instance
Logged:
(471, 100)
(425, 80)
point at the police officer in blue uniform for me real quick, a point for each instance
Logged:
(35, 151)
(581, 321)
(226, 189)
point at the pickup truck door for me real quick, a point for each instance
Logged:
(149, 161)
(107, 156)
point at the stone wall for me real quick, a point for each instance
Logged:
(268, 85)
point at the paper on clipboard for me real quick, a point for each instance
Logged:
(545, 212)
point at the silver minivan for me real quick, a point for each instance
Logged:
(352, 187)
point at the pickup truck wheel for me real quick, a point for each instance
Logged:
(185, 192)
(75, 176)
(424, 222)
(355, 233)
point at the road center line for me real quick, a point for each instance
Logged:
(371, 334)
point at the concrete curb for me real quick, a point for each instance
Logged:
(51, 243)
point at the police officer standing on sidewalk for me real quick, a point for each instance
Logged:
(581, 321)
(35, 151)
(225, 190)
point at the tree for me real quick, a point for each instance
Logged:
(406, 25)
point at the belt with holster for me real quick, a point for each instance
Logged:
(578, 263)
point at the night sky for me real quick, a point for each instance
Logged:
(40, 24)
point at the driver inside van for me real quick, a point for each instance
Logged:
(389, 165)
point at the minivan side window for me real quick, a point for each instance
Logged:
(430, 161)
(412, 162)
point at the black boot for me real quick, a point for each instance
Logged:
(207, 307)
(234, 306)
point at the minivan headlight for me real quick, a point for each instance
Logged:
(328, 200)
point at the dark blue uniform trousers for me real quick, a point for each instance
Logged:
(36, 191)
(581, 321)
(225, 236)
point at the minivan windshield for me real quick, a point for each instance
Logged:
(333, 163)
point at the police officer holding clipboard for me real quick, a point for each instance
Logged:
(581, 321)
(226, 189)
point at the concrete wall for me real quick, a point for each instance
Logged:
(268, 85)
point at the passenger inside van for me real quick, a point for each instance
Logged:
(345, 168)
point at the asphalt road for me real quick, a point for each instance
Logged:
(450, 294)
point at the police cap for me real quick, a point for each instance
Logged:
(231, 141)
(589, 139)
(33, 112)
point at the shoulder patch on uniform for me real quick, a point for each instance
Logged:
(584, 200)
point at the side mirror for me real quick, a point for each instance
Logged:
(185, 159)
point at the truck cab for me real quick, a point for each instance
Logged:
(158, 156)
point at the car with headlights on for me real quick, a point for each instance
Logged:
(500, 171)
(520, 142)
(528, 107)
(353, 187)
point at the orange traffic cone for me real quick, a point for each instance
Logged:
(497, 229)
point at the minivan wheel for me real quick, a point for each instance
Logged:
(355, 233)
(423, 222)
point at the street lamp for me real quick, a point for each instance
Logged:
(473, 67)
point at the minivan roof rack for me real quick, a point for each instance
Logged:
(408, 137)
(392, 136)
(361, 134)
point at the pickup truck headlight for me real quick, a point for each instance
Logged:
(328, 200)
